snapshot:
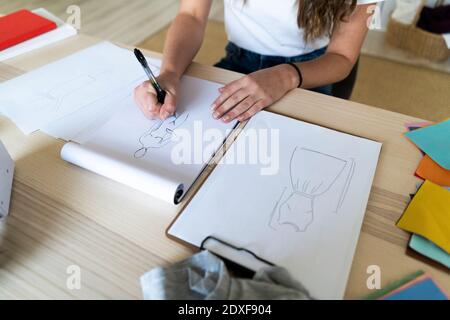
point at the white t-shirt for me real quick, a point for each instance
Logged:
(269, 27)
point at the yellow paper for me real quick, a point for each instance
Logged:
(428, 215)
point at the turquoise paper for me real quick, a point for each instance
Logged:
(434, 141)
(429, 249)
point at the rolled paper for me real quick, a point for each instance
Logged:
(138, 175)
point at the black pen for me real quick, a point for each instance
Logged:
(160, 93)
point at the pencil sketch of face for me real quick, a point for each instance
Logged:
(312, 174)
(160, 134)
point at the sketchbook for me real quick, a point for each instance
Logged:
(87, 99)
(160, 158)
(304, 214)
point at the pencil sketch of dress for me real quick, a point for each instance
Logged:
(312, 175)
(160, 134)
(80, 89)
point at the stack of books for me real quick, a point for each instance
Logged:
(23, 31)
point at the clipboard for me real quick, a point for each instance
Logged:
(234, 266)
(305, 218)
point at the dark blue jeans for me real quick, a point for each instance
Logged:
(244, 61)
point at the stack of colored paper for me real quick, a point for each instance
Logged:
(421, 288)
(416, 125)
(434, 141)
(430, 170)
(428, 214)
(415, 286)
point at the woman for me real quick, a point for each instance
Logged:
(279, 44)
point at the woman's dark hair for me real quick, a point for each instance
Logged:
(317, 17)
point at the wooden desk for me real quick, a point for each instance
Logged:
(62, 215)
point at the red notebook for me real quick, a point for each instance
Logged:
(22, 25)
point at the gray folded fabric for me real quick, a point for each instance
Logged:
(205, 277)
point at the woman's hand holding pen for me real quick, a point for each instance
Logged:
(146, 97)
(240, 99)
(243, 98)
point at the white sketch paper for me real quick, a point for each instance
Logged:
(321, 189)
(81, 81)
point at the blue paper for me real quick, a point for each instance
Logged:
(423, 290)
(434, 141)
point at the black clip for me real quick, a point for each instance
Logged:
(202, 247)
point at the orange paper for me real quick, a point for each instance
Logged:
(429, 170)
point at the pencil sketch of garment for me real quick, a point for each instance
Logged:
(312, 174)
(80, 89)
(160, 134)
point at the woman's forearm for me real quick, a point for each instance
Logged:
(182, 44)
(342, 52)
(183, 41)
(327, 69)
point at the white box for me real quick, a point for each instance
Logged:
(6, 180)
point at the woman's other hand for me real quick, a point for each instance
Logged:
(146, 98)
(243, 98)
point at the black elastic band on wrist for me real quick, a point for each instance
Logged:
(300, 75)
